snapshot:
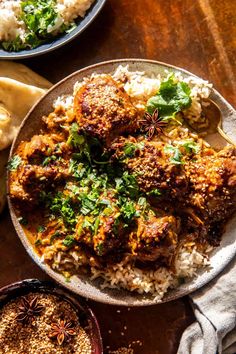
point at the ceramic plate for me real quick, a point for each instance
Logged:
(83, 286)
(59, 41)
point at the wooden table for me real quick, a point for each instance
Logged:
(199, 35)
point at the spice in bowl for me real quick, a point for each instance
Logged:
(42, 323)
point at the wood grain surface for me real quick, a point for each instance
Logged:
(198, 35)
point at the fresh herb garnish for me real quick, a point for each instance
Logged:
(171, 98)
(130, 149)
(176, 155)
(14, 163)
(69, 241)
(127, 185)
(75, 139)
(190, 146)
(154, 192)
(41, 228)
(62, 205)
(128, 210)
(49, 160)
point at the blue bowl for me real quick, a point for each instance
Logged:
(58, 41)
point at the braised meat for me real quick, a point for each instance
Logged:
(103, 110)
(41, 167)
(107, 238)
(152, 167)
(212, 194)
(155, 239)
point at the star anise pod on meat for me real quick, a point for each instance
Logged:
(62, 331)
(29, 309)
(152, 124)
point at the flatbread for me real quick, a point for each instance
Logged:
(16, 99)
(21, 73)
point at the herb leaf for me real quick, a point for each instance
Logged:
(68, 241)
(190, 146)
(14, 163)
(171, 98)
(175, 154)
(75, 139)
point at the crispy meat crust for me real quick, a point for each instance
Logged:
(104, 110)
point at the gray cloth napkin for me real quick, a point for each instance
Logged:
(214, 331)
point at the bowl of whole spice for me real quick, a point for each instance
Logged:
(41, 318)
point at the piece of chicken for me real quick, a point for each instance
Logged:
(152, 167)
(212, 196)
(103, 110)
(42, 166)
(155, 238)
(108, 236)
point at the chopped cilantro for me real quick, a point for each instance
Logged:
(96, 225)
(175, 153)
(54, 236)
(41, 228)
(14, 163)
(69, 241)
(154, 192)
(127, 185)
(171, 98)
(129, 150)
(62, 205)
(142, 201)
(75, 139)
(190, 146)
(48, 160)
(128, 210)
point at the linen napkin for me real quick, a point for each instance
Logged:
(214, 306)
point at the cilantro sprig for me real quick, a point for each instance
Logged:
(171, 98)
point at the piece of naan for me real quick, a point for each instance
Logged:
(16, 99)
(20, 88)
(21, 73)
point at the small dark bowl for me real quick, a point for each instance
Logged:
(58, 41)
(85, 314)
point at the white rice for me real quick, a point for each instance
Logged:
(71, 9)
(11, 26)
(188, 258)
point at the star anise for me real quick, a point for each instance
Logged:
(29, 309)
(62, 331)
(152, 124)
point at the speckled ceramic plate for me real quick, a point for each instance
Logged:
(60, 40)
(83, 285)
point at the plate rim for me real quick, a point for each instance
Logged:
(56, 276)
